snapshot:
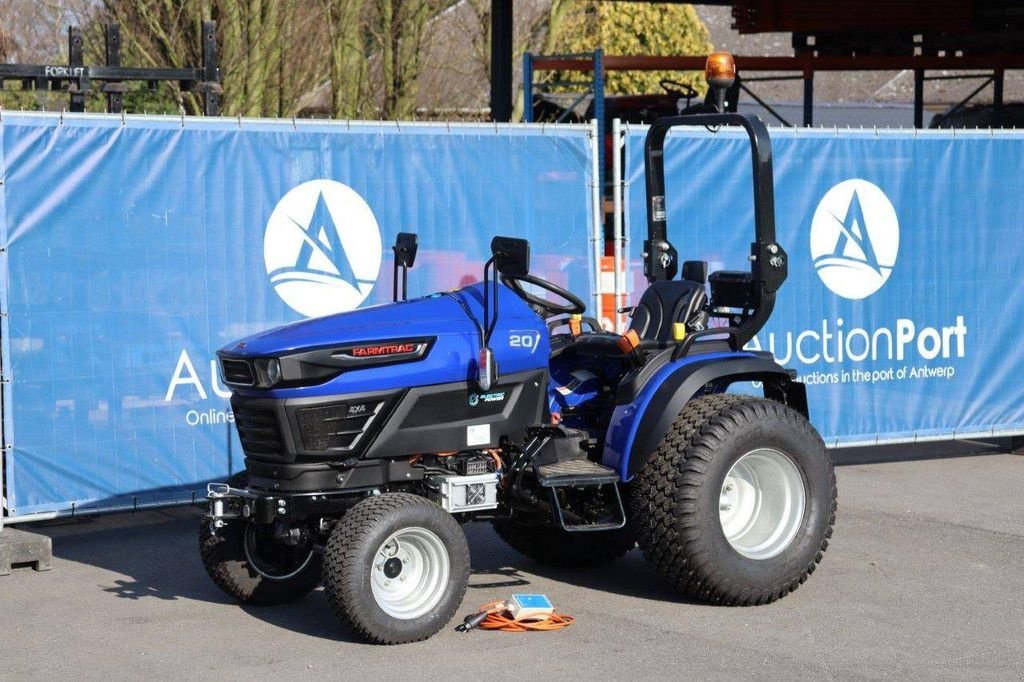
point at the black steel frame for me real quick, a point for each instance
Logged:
(78, 78)
(768, 260)
(501, 60)
(995, 80)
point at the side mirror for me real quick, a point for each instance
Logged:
(511, 255)
(406, 245)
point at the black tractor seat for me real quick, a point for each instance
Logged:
(663, 304)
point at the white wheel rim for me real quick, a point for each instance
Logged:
(409, 574)
(761, 504)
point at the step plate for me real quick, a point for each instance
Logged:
(575, 472)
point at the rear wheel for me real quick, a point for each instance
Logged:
(556, 547)
(737, 504)
(248, 564)
(396, 568)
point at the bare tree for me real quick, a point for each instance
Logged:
(401, 36)
(535, 24)
(378, 53)
(270, 50)
(346, 20)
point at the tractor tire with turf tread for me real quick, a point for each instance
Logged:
(348, 561)
(674, 508)
(224, 558)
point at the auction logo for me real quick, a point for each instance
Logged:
(322, 248)
(855, 237)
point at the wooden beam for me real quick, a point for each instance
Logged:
(804, 63)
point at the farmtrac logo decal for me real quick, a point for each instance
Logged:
(855, 237)
(322, 248)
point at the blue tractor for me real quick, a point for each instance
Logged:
(371, 436)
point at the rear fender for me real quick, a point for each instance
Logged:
(638, 427)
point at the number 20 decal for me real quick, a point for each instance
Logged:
(524, 339)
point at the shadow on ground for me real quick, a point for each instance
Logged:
(157, 557)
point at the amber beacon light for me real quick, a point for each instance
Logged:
(720, 70)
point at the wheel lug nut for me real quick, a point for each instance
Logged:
(402, 578)
(387, 583)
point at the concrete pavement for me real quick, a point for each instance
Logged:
(923, 579)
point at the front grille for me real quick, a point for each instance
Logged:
(237, 372)
(259, 431)
(337, 426)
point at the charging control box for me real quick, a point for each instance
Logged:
(524, 606)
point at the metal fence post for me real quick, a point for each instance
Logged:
(919, 98)
(75, 59)
(808, 98)
(597, 233)
(599, 112)
(114, 89)
(624, 197)
(997, 98)
(527, 87)
(211, 74)
(617, 222)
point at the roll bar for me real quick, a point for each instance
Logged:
(768, 260)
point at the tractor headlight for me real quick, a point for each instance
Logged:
(273, 371)
(268, 372)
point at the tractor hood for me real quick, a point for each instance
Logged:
(428, 340)
(428, 316)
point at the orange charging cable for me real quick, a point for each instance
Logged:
(495, 616)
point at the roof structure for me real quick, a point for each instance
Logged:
(858, 98)
(945, 52)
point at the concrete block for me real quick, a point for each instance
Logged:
(21, 547)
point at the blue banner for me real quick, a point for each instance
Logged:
(901, 311)
(132, 250)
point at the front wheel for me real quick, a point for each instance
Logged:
(250, 565)
(396, 568)
(737, 504)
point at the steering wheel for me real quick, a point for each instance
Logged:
(540, 305)
(677, 89)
